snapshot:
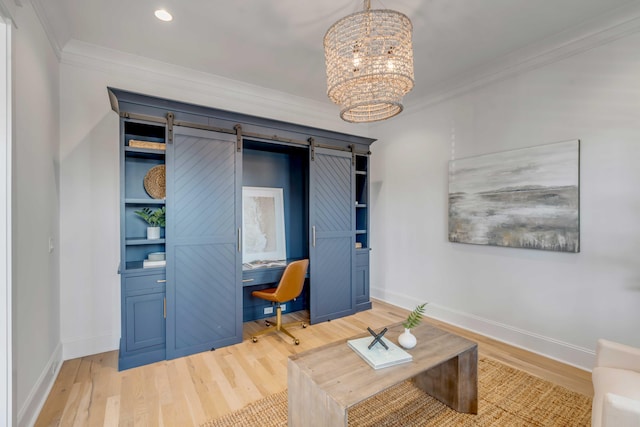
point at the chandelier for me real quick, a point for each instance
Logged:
(369, 60)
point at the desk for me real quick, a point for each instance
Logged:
(325, 382)
(261, 278)
(261, 275)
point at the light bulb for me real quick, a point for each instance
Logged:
(163, 15)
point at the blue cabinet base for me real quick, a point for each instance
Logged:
(144, 357)
(363, 306)
(362, 280)
(142, 339)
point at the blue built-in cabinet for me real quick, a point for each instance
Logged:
(204, 210)
(143, 318)
(198, 299)
(332, 218)
(361, 182)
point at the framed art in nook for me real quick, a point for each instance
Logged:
(263, 236)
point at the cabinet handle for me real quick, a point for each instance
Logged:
(313, 236)
(247, 280)
(164, 308)
(239, 239)
(161, 281)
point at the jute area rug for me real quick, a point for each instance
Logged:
(507, 397)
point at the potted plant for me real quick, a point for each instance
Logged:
(155, 219)
(407, 339)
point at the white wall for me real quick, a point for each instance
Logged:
(36, 307)
(89, 177)
(556, 304)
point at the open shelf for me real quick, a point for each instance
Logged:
(137, 161)
(143, 241)
(133, 266)
(362, 201)
(148, 201)
(362, 164)
(144, 152)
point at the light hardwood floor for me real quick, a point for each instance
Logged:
(90, 391)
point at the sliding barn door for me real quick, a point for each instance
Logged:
(332, 248)
(204, 298)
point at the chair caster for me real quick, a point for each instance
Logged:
(304, 325)
(254, 339)
(296, 342)
(266, 322)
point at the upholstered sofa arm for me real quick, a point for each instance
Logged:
(620, 411)
(610, 354)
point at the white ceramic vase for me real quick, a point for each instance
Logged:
(153, 233)
(407, 339)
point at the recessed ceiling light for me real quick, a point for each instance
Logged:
(163, 15)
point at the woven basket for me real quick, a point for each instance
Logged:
(155, 182)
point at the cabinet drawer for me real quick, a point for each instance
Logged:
(362, 258)
(143, 284)
(259, 277)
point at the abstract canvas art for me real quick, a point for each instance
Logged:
(263, 236)
(526, 198)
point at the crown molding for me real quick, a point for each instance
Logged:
(46, 25)
(607, 28)
(202, 88)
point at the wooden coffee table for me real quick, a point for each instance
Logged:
(325, 382)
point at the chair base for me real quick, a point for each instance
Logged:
(279, 327)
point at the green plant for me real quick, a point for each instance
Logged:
(155, 218)
(414, 317)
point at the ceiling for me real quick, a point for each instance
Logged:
(277, 44)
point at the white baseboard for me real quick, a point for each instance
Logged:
(28, 414)
(549, 347)
(88, 346)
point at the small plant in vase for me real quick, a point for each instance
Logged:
(155, 219)
(407, 339)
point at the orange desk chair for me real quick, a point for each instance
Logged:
(289, 288)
